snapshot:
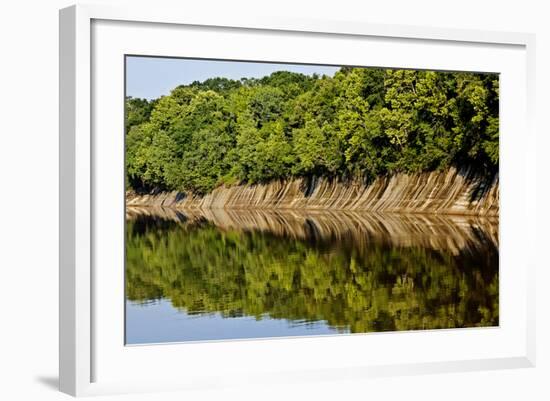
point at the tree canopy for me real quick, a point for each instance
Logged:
(360, 123)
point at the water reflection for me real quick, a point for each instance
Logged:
(221, 274)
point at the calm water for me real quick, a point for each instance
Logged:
(249, 274)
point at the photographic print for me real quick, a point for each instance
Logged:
(278, 200)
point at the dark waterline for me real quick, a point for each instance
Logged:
(219, 274)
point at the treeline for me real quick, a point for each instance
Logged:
(360, 123)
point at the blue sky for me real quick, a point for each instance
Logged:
(151, 77)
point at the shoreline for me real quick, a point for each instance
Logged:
(310, 211)
(449, 192)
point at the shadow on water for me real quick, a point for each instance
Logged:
(357, 272)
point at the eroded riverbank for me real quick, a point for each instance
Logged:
(460, 192)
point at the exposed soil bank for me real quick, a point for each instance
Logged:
(447, 192)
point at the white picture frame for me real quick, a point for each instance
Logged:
(92, 363)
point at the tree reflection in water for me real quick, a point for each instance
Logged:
(357, 272)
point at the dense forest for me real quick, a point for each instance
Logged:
(360, 123)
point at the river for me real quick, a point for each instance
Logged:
(239, 274)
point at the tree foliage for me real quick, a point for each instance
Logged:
(359, 123)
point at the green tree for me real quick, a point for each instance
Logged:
(317, 150)
(360, 123)
(138, 111)
(150, 153)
